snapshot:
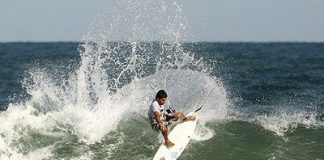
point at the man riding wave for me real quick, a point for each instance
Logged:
(160, 117)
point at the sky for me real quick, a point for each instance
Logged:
(208, 20)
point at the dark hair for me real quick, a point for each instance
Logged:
(161, 94)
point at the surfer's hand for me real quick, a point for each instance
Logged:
(163, 127)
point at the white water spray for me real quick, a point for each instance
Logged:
(124, 61)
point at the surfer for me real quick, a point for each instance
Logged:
(160, 118)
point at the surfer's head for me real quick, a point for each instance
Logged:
(161, 97)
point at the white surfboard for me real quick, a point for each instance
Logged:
(180, 136)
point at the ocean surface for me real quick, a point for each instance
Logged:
(88, 100)
(80, 100)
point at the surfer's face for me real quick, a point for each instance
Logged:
(161, 101)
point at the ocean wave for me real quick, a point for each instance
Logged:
(284, 121)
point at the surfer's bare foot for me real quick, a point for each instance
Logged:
(189, 118)
(168, 144)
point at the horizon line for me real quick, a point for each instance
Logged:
(63, 41)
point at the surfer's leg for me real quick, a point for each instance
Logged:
(189, 118)
(167, 142)
(179, 115)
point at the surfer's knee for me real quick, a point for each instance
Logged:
(179, 115)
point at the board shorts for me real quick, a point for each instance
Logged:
(166, 122)
(157, 126)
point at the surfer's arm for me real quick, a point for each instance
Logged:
(157, 117)
(158, 120)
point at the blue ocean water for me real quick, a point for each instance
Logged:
(59, 103)
(88, 100)
(17, 58)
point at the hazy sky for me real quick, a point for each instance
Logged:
(208, 20)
